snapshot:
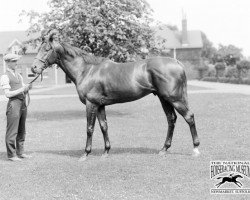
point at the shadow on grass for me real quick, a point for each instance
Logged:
(3, 155)
(67, 115)
(98, 152)
(113, 151)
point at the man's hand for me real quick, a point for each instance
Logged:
(30, 86)
(27, 87)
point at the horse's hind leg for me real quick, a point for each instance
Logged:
(171, 117)
(101, 116)
(219, 184)
(183, 109)
(91, 110)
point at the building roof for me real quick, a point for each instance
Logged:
(7, 38)
(174, 38)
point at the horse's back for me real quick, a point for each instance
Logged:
(164, 75)
(122, 82)
(167, 67)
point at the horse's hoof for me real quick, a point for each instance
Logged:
(163, 153)
(82, 159)
(196, 152)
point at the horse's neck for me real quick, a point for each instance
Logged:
(73, 68)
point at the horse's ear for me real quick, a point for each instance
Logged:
(53, 35)
(50, 35)
(44, 35)
(53, 38)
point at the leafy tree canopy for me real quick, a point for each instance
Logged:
(230, 54)
(208, 50)
(118, 29)
(243, 64)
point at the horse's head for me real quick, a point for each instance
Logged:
(238, 176)
(48, 52)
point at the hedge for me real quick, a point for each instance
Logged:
(227, 80)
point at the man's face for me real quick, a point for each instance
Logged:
(12, 64)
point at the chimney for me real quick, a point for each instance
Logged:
(184, 36)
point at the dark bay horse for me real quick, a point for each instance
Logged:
(100, 82)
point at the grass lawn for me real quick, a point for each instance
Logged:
(56, 136)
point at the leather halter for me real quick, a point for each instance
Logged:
(46, 64)
(45, 61)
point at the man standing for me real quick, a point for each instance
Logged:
(15, 90)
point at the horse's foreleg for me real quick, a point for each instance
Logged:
(101, 115)
(171, 117)
(217, 184)
(183, 109)
(91, 111)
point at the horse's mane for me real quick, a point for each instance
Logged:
(88, 58)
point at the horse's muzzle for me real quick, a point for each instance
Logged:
(36, 70)
(33, 69)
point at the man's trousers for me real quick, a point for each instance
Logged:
(15, 131)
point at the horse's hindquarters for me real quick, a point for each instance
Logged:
(168, 78)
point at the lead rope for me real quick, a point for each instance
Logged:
(27, 98)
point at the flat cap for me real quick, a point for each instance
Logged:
(11, 57)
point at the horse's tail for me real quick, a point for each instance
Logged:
(220, 177)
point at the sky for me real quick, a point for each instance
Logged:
(223, 21)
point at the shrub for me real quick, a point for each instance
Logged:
(231, 72)
(246, 81)
(211, 71)
(201, 69)
(220, 68)
(190, 70)
(226, 80)
(210, 79)
(243, 64)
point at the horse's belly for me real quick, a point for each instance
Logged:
(125, 96)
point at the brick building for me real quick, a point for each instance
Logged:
(184, 45)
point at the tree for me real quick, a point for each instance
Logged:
(208, 51)
(109, 28)
(230, 54)
(242, 67)
(219, 67)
